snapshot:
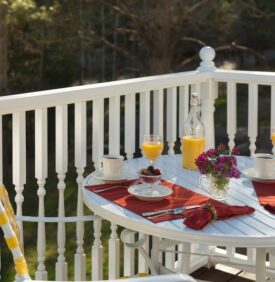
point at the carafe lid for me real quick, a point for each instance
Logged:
(195, 100)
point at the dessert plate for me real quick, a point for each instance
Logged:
(99, 176)
(151, 194)
(252, 175)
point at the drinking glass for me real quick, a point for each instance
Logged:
(273, 135)
(152, 147)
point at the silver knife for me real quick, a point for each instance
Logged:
(169, 210)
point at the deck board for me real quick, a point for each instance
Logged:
(222, 273)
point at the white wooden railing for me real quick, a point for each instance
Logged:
(134, 101)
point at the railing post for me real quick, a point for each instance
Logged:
(80, 163)
(231, 113)
(98, 131)
(252, 115)
(171, 129)
(208, 94)
(19, 162)
(97, 252)
(130, 125)
(114, 253)
(41, 171)
(61, 268)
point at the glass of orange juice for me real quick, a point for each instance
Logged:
(152, 147)
(273, 135)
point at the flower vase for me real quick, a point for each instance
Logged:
(218, 187)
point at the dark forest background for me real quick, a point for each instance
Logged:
(47, 44)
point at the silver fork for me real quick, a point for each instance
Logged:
(173, 211)
(109, 188)
(112, 187)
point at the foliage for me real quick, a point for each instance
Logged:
(57, 43)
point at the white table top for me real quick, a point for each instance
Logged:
(255, 230)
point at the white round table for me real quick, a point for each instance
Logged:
(256, 230)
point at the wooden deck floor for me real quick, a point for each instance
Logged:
(222, 273)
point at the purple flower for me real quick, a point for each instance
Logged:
(235, 151)
(214, 162)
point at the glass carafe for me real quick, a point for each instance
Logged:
(193, 140)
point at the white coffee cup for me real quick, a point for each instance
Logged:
(112, 166)
(264, 165)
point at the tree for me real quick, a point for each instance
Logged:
(167, 34)
(3, 49)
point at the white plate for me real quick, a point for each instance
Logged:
(145, 193)
(98, 175)
(251, 174)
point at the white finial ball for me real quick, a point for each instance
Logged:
(207, 54)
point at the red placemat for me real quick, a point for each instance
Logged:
(266, 195)
(180, 197)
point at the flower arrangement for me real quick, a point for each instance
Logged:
(219, 167)
(214, 162)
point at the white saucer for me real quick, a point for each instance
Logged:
(145, 193)
(98, 175)
(251, 174)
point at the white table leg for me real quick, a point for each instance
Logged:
(260, 264)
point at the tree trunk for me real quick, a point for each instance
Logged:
(3, 50)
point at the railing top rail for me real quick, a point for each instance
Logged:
(51, 98)
(259, 77)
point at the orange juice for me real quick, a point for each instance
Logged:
(152, 150)
(273, 138)
(192, 147)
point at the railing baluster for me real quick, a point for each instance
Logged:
(114, 125)
(252, 115)
(158, 112)
(142, 265)
(231, 113)
(144, 115)
(129, 256)
(61, 134)
(19, 162)
(171, 128)
(251, 255)
(170, 258)
(272, 112)
(114, 253)
(41, 172)
(98, 131)
(209, 92)
(183, 107)
(184, 258)
(80, 164)
(130, 125)
(97, 252)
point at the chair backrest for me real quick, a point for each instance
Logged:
(11, 234)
